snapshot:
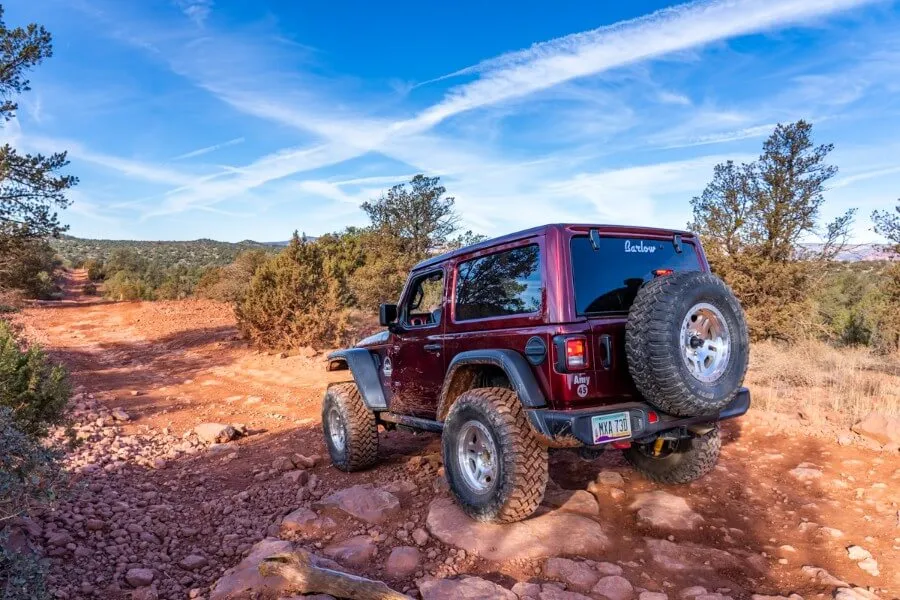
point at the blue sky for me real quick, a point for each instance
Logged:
(246, 120)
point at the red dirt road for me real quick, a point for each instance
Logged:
(177, 364)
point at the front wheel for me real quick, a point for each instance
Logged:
(496, 466)
(677, 461)
(351, 432)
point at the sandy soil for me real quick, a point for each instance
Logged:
(177, 364)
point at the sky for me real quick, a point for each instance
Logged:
(236, 120)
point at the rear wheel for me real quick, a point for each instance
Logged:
(496, 466)
(676, 461)
(351, 433)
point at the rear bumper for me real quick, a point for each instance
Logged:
(573, 427)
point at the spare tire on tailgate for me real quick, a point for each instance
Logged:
(686, 342)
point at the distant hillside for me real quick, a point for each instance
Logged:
(860, 252)
(194, 253)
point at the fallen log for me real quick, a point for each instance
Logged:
(305, 577)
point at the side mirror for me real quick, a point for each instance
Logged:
(387, 314)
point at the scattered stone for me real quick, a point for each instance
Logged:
(806, 472)
(469, 588)
(306, 523)
(550, 591)
(692, 592)
(211, 433)
(193, 562)
(614, 587)
(870, 566)
(354, 552)
(662, 510)
(420, 536)
(283, 463)
(365, 502)
(525, 590)
(857, 553)
(653, 596)
(297, 476)
(139, 577)
(553, 534)
(608, 568)
(821, 576)
(305, 462)
(855, 593)
(879, 427)
(610, 479)
(120, 415)
(402, 562)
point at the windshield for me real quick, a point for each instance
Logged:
(608, 279)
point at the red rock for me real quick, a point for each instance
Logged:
(307, 523)
(365, 502)
(356, 552)
(469, 588)
(614, 587)
(553, 534)
(662, 510)
(576, 575)
(402, 562)
(139, 577)
(879, 427)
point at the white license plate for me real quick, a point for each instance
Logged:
(611, 427)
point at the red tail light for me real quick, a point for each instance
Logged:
(576, 353)
(661, 272)
(652, 417)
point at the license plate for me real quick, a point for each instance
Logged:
(611, 427)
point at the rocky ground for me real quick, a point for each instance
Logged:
(200, 457)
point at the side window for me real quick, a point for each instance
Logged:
(501, 284)
(424, 303)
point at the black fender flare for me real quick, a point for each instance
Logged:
(511, 362)
(361, 364)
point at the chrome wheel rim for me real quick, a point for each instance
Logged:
(705, 342)
(477, 456)
(336, 429)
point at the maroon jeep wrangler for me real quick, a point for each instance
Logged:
(561, 336)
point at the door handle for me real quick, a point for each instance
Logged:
(432, 347)
(605, 351)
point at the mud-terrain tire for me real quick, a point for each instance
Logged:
(690, 460)
(662, 328)
(519, 459)
(351, 433)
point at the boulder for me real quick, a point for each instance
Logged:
(821, 576)
(689, 557)
(879, 427)
(365, 502)
(550, 591)
(577, 575)
(468, 588)
(402, 562)
(576, 501)
(211, 433)
(614, 587)
(306, 523)
(357, 551)
(553, 534)
(244, 580)
(662, 510)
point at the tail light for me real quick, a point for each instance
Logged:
(576, 353)
(661, 272)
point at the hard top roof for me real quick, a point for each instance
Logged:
(532, 231)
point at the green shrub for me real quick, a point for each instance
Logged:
(231, 282)
(290, 304)
(89, 289)
(35, 390)
(125, 285)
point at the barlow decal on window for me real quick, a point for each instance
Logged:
(582, 381)
(639, 247)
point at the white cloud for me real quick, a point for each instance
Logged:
(196, 10)
(208, 149)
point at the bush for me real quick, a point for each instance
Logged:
(35, 390)
(290, 304)
(231, 282)
(89, 289)
(125, 285)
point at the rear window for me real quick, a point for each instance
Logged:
(608, 279)
(501, 284)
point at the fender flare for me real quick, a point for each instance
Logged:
(511, 362)
(361, 364)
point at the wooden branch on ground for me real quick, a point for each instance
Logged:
(302, 576)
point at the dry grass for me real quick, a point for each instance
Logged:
(822, 381)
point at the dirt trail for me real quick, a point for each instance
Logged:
(173, 365)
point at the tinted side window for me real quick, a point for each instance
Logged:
(608, 279)
(506, 283)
